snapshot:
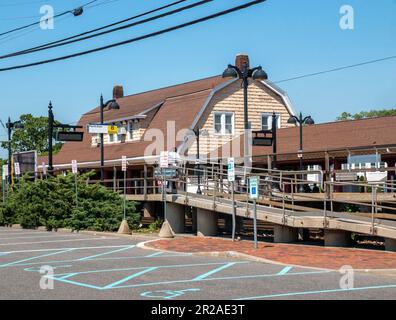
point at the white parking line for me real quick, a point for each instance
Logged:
(33, 237)
(68, 240)
(56, 249)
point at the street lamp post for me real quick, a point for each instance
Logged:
(244, 74)
(113, 105)
(197, 133)
(301, 121)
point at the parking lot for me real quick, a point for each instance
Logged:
(114, 267)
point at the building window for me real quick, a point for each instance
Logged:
(266, 121)
(224, 123)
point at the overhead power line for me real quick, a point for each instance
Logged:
(38, 22)
(150, 35)
(68, 40)
(336, 69)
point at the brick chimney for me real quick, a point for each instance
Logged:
(118, 92)
(241, 61)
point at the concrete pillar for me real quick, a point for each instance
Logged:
(337, 238)
(390, 244)
(175, 215)
(194, 220)
(206, 223)
(283, 234)
(149, 210)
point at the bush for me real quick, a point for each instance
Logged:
(52, 203)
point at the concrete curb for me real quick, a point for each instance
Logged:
(240, 255)
(92, 233)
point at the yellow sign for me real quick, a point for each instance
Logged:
(113, 130)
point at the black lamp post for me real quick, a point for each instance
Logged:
(198, 133)
(10, 127)
(112, 105)
(301, 121)
(256, 74)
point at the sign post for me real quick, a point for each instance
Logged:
(124, 169)
(164, 164)
(4, 180)
(253, 192)
(75, 171)
(231, 179)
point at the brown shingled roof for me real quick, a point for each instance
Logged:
(331, 136)
(181, 103)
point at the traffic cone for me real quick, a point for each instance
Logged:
(124, 228)
(166, 231)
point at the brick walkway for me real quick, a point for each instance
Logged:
(310, 256)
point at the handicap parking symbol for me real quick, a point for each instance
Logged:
(167, 294)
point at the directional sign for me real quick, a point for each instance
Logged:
(112, 130)
(167, 173)
(69, 136)
(254, 187)
(231, 169)
(74, 166)
(98, 128)
(124, 163)
(17, 168)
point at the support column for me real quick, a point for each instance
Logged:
(337, 238)
(194, 220)
(390, 244)
(283, 234)
(176, 217)
(206, 223)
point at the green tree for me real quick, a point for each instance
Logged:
(33, 135)
(367, 114)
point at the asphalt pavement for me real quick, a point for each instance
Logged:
(49, 265)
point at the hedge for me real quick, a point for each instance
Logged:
(52, 203)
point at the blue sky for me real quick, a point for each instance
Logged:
(287, 37)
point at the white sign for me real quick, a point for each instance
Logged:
(17, 168)
(231, 169)
(124, 163)
(254, 187)
(44, 168)
(74, 166)
(98, 128)
(5, 171)
(164, 159)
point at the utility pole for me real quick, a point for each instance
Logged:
(9, 128)
(50, 137)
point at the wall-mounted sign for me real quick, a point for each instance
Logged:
(17, 168)
(98, 128)
(112, 130)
